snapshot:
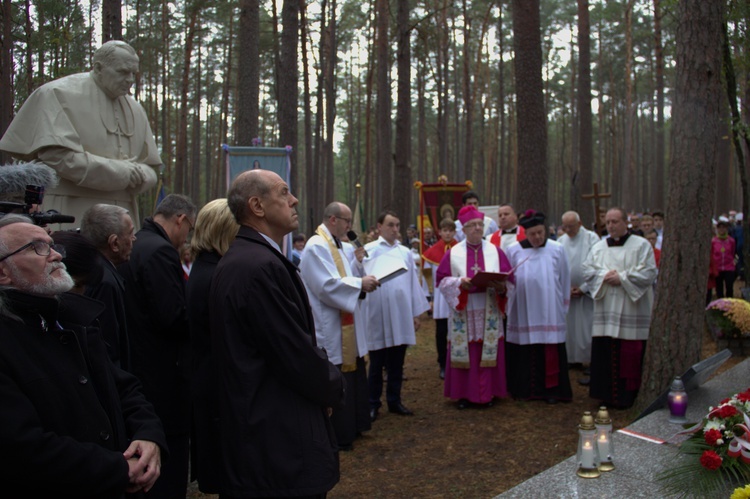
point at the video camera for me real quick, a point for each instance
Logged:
(34, 195)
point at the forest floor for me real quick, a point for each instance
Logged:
(443, 452)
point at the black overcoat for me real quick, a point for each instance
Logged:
(113, 320)
(158, 326)
(274, 383)
(66, 411)
(204, 441)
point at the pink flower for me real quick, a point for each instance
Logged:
(712, 436)
(710, 460)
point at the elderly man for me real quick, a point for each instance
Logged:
(71, 423)
(509, 232)
(335, 294)
(111, 230)
(392, 313)
(577, 242)
(535, 340)
(619, 272)
(158, 329)
(275, 386)
(475, 371)
(92, 133)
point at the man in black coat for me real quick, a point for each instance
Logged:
(275, 387)
(110, 229)
(158, 330)
(72, 424)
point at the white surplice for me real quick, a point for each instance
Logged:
(539, 302)
(389, 311)
(329, 294)
(624, 311)
(581, 312)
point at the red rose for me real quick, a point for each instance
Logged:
(710, 460)
(744, 396)
(727, 411)
(712, 436)
(724, 401)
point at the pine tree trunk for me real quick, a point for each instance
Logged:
(6, 69)
(677, 324)
(111, 20)
(402, 170)
(288, 85)
(248, 82)
(659, 173)
(585, 132)
(531, 117)
(384, 152)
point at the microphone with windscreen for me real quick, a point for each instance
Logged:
(355, 241)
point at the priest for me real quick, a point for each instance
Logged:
(537, 363)
(334, 294)
(577, 242)
(475, 370)
(509, 232)
(92, 133)
(619, 272)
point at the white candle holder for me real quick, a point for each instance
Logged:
(604, 443)
(587, 456)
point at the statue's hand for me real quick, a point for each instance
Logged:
(137, 176)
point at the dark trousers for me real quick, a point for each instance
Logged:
(172, 482)
(725, 283)
(441, 340)
(392, 359)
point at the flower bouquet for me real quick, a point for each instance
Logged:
(717, 451)
(729, 318)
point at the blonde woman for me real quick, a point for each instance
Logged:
(215, 229)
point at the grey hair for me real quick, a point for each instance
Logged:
(105, 54)
(101, 221)
(176, 204)
(10, 219)
(575, 214)
(245, 186)
(332, 210)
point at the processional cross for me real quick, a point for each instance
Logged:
(596, 196)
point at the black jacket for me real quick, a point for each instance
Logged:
(157, 325)
(66, 412)
(204, 441)
(113, 322)
(274, 383)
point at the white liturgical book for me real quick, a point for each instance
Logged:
(386, 266)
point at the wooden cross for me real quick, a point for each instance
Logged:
(596, 196)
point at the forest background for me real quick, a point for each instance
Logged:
(533, 100)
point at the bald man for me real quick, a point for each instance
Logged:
(275, 386)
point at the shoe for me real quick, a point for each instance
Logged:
(373, 414)
(584, 381)
(400, 409)
(442, 373)
(551, 401)
(463, 404)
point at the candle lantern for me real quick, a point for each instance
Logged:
(677, 399)
(588, 453)
(604, 443)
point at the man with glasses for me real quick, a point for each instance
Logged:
(158, 328)
(334, 293)
(71, 423)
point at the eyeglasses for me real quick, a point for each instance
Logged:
(478, 225)
(41, 248)
(347, 220)
(189, 223)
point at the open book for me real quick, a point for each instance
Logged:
(482, 279)
(386, 266)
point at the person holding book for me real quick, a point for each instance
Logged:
(475, 368)
(537, 360)
(391, 312)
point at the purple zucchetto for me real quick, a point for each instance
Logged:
(469, 213)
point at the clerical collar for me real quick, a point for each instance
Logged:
(525, 244)
(473, 246)
(514, 230)
(619, 242)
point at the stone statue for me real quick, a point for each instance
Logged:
(92, 133)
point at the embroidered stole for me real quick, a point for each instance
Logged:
(348, 339)
(459, 337)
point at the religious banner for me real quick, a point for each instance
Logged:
(276, 159)
(436, 202)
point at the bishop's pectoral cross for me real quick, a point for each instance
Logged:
(476, 268)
